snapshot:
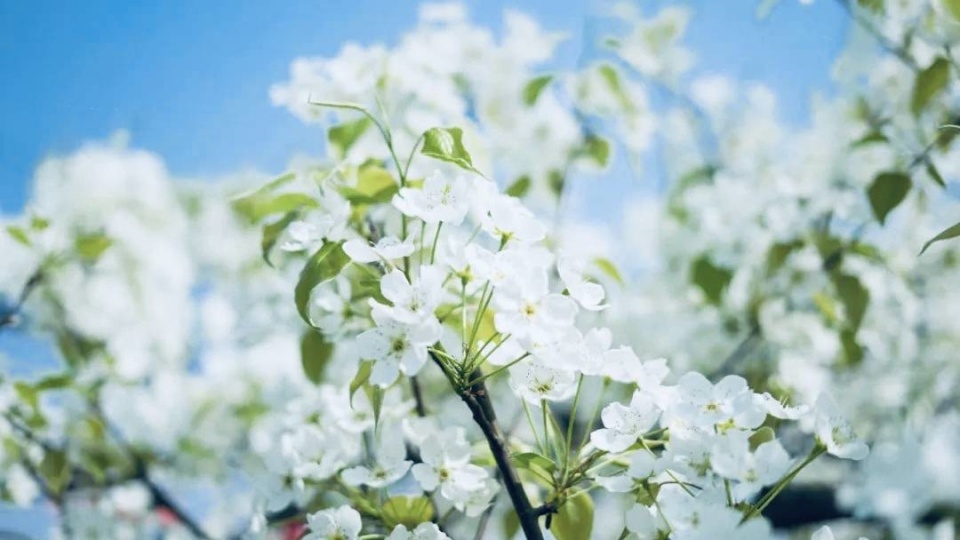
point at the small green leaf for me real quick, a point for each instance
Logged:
(446, 144)
(762, 435)
(556, 181)
(778, 254)
(887, 191)
(257, 207)
(870, 138)
(407, 511)
(54, 382)
(711, 279)
(343, 136)
(271, 233)
(519, 188)
(598, 149)
(612, 78)
(935, 174)
(375, 395)
(315, 354)
(929, 83)
(946, 234)
(854, 297)
(18, 234)
(55, 469)
(533, 460)
(875, 6)
(852, 351)
(574, 520)
(607, 267)
(361, 378)
(375, 185)
(533, 89)
(324, 265)
(953, 7)
(91, 246)
(510, 524)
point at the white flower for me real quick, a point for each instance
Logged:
(441, 199)
(731, 458)
(780, 410)
(302, 235)
(412, 303)
(641, 521)
(624, 425)
(342, 523)
(530, 313)
(534, 382)
(396, 347)
(716, 521)
(386, 249)
(588, 294)
(446, 464)
(424, 531)
(390, 466)
(835, 432)
(508, 219)
(729, 403)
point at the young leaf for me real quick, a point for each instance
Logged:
(533, 89)
(935, 174)
(929, 83)
(407, 511)
(91, 246)
(598, 149)
(257, 206)
(315, 354)
(711, 279)
(519, 188)
(953, 7)
(324, 265)
(271, 233)
(55, 470)
(343, 136)
(607, 267)
(361, 378)
(946, 234)
(574, 520)
(446, 144)
(375, 185)
(887, 191)
(18, 234)
(854, 297)
(762, 435)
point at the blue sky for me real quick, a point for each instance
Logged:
(189, 79)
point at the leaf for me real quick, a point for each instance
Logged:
(574, 520)
(533, 460)
(510, 524)
(953, 7)
(946, 234)
(315, 354)
(446, 144)
(91, 246)
(324, 265)
(854, 297)
(875, 6)
(343, 136)
(55, 469)
(852, 351)
(607, 267)
(53, 382)
(870, 138)
(18, 234)
(533, 88)
(612, 78)
(271, 233)
(935, 174)
(375, 395)
(407, 511)
(598, 149)
(361, 378)
(762, 435)
(258, 206)
(375, 185)
(778, 254)
(556, 181)
(929, 83)
(887, 191)
(519, 188)
(711, 279)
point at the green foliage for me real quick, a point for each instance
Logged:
(360, 379)
(375, 185)
(887, 191)
(91, 246)
(574, 520)
(55, 470)
(534, 88)
(535, 463)
(271, 233)
(519, 188)
(597, 149)
(607, 267)
(324, 265)
(946, 234)
(935, 174)
(762, 435)
(407, 511)
(612, 77)
(778, 254)
(875, 6)
(262, 202)
(19, 234)
(343, 136)
(446, 144)
(556, 181)
(315, 353)
(929, 83)
(711, 279)
(854, 297)
(953, 7)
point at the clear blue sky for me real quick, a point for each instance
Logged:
(189, 79)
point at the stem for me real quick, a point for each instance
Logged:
(784, 482)
(436, 238)
(421, 407)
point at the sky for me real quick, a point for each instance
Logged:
(189, 80)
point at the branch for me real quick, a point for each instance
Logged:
(10, 317)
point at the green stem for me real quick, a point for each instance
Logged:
(784, 482)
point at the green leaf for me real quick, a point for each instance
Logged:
(375, 395)
(711, 279)
(446, 144)
(375, 185)
(519, 188)
(854, 297)
(953, 7)
(271, 233)
(870, 138)
(315, 354)
(612, 78)
(778, 254)
(929, 83)
(556, 181)
(946, 234)
(91, 246)
(257, 207)
(887, 191)
(407, 511)
(324, 265)
(343, 136)
(875, 6)
(607, 267)
(533, 88)
(574, 520)
(18, 234)
(534, 461)
(510, 524)
(598, 149)
(55, 469)
(762, 435)
(361, 378)
(935, 174)
(852, 351)
(54, 382)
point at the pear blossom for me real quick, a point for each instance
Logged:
(509, 220)
(388, 248)
(731, 458)
(728, 403)
(342, 523)
(588, 294)
(534, 382)
(446, 465)
(390, 465)
(396, 347)
(423, 531)
(441, 199)
(412, 302)
(835, 432)
(625, 425)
